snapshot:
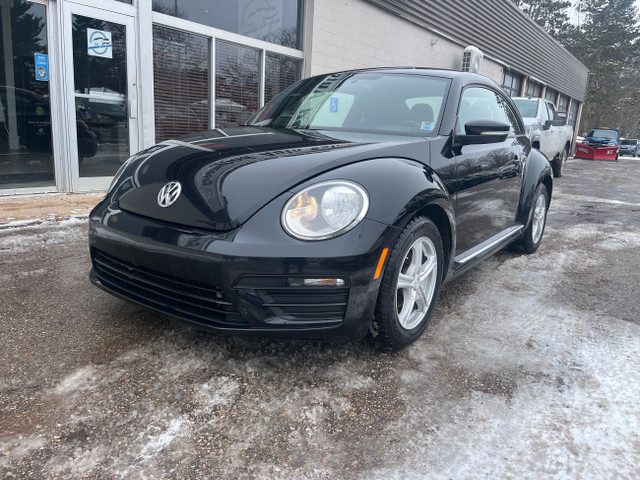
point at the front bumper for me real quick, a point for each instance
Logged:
(249, 281)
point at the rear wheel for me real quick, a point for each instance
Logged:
(532, 237)
(558, 165)
(410, 285)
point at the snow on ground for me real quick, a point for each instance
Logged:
(519, 375)
(26, 235)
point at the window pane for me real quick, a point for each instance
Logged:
(237, 83)
(563, 102)
(551, 95)
(281, 72)
(100, 90)
(483, 104)
(181, 82)
(26, 147)
(275, 21)
(573, 113)
(534, 89)
(512, 83)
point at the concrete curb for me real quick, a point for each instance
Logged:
(16, 210)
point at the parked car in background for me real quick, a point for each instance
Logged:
(33, 124)
(339, 208)
(629, 147)
(547, 130)
(603, 137)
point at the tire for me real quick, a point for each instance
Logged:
(558, 165)
(532, 237)
(410, 285)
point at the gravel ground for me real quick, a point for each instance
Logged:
(529, 369)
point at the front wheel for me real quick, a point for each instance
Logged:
(532, 237)
(410, 285)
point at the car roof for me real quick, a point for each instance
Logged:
(435, 72)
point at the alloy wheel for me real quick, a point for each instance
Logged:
(539, 218)
(416, 283)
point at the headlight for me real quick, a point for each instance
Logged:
(325, 210)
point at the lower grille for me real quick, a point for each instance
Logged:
(188, 300)
(296, 306)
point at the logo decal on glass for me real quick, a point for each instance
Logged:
(99, 43)
(168, 194)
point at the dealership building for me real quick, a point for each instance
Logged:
(85, 84)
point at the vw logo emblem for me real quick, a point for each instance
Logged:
(168, 194)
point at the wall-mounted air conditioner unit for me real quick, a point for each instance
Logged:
(472, 59)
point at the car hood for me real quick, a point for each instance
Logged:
(228, 175)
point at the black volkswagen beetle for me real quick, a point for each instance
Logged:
(340, 206)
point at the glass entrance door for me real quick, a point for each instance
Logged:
(26, 142)
(103, 91)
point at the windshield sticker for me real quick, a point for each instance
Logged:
(426, 126)
(333, 104)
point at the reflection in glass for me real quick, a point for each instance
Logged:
(275, 21)
(100, 85)
(26, 147)
(280, 72)
(181, 82)
(237, 83)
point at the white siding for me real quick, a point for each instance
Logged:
(346, 34)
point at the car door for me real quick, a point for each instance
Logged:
(489, 175)
(555, 134)
(545, 134)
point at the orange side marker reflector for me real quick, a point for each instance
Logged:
(383, 256)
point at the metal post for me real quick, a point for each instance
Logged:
(7, 39)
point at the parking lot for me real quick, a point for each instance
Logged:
(530, 368)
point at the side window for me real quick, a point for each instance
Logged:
(552, 111)
(512, 118)
(544, 113)
(480, 103)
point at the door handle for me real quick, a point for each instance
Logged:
(133, 102)
(133, 108)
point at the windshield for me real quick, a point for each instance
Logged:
(600, 133)
(406, 104)
(527, 108)
(629, 142)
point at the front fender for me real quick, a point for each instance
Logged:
(399, 190)
(537, 170)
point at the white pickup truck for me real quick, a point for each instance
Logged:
(547, 130)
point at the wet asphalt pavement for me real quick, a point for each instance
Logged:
(530, 368)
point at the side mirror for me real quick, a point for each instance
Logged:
(479, 132)
(547, 124)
